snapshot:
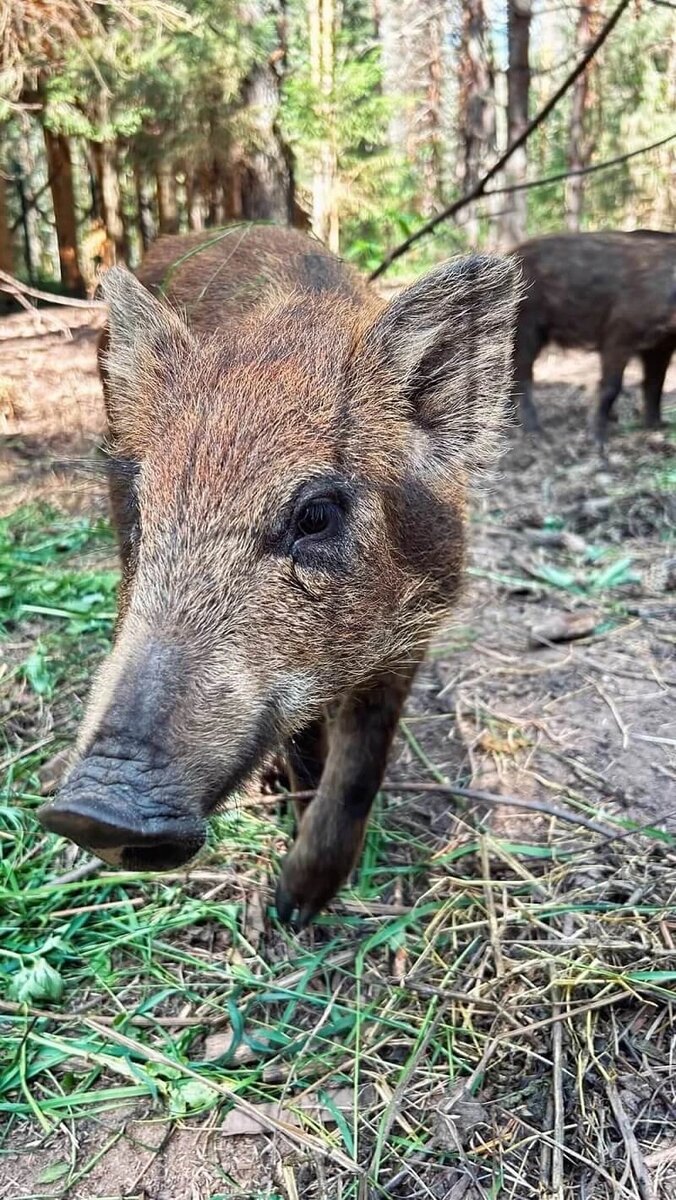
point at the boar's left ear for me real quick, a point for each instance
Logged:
(144, 338)
(446, 343)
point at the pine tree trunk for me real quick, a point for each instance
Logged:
(128, 216)
(143, 207)
(413, 35)
(6, 245)
(266, 181)
(325, 218)
(476, 101)
(108, 203)
(110, 192)
(580, 141)
(167, 203)
(60, 169)
(514, 219)
(194, 203)
(30, 220)
(431, 133)
(664, 205)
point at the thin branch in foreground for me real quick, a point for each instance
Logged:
(602, 166)
(480, 187)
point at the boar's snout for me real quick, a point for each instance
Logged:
(127, 816)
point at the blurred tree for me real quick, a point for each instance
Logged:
(514, 216)
(60, 170)
(412, 34)
(581, 137)
(6, 242)
(476, 101)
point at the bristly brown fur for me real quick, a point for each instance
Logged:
(263, 363)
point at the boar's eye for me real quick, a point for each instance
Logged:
(319, 517)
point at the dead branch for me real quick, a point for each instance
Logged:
(16, 288)
(445, 789)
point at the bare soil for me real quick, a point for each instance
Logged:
(592, 718)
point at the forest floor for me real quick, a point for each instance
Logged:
(489, 1010)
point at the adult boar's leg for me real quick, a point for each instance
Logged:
(528, 346)
(332, 830)
(613, 361)
(655, 366)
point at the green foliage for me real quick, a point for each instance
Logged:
(632, 106)
(39, 582)
(168, 87)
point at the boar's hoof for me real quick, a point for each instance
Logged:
(287, 904)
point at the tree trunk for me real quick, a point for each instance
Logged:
(167, 203)
(194, 202)
(476, 102)
(266, 181)
(257, 181)
(664, 204)
(325, 219)
(515, 213)
(92, 155)
(36, 246)
(580, 139)
(413, 36)
(60, 169)
(128, 215)
(108, 206)
(110, 192)
(6, 246)
(143, 207)
(431, 197)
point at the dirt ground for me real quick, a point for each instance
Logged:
(558, 537)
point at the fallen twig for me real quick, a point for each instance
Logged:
(15, 287)
(643, 1180)
(443, 789)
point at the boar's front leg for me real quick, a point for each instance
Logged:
(306, 757)
(332, 828)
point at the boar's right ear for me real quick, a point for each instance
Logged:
(446, 343)
(144, 336)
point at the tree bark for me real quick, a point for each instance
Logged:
(257, 182)
(266, 182)
(325, 217)
(108, 194)
(143, 207)
(580, 137)
(60, 170)
(194, 202)
(476, 101)
(514, 220)
(167, 203)
(432, 196)
(412, 34)
(6, 245)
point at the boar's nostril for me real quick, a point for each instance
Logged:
(120, 838)
(86, 827)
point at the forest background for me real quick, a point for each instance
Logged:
(358, 119)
